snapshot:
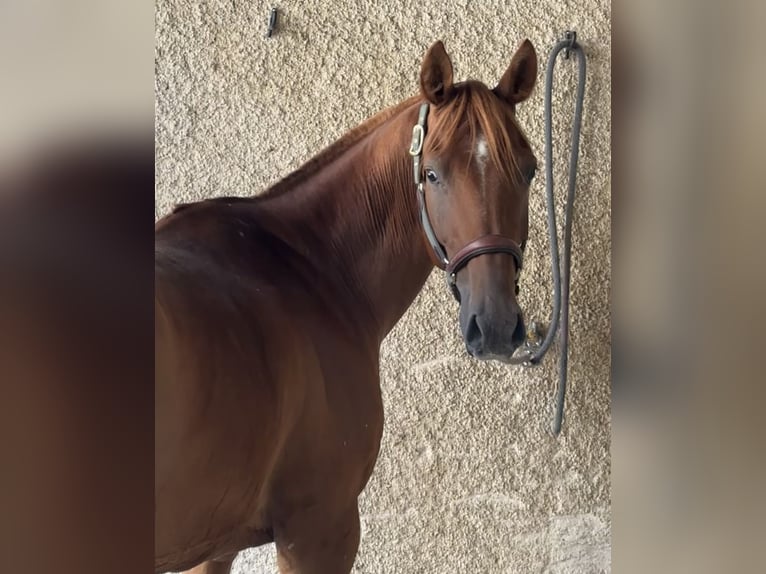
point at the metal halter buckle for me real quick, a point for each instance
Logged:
(417, 140)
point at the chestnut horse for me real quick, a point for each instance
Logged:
(270, 312)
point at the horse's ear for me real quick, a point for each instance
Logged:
(519, 79)
(436, 75)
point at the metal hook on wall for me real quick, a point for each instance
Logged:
(272, 22)
(570, 35)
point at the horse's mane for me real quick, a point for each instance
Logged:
(336, 149)
(471, 102)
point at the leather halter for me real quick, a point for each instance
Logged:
(490, 243)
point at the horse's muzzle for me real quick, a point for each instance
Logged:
(489, 337)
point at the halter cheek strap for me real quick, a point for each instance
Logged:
(416, 151)
(486, 244)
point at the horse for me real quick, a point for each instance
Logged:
(270, 311)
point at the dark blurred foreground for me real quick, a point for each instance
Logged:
(76, 358)
(76, 284)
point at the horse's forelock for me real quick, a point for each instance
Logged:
(474, 105)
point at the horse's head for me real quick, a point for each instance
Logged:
(476, 167)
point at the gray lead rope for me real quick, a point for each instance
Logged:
(534, 352)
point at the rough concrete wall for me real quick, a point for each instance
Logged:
(468, 479)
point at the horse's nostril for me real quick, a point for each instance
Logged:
(519, 334)
(473, 334)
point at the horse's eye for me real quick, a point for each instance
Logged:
(531, 174)
(431, 175)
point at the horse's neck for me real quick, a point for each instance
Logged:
(363, 206)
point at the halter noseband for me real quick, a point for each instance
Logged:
(486, 244)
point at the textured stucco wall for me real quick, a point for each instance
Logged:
(468, 479)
